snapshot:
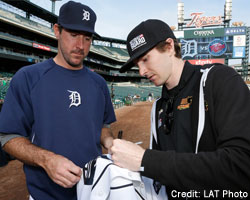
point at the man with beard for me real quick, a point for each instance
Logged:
(57, 113)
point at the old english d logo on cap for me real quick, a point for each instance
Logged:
(78, 17)
(86, 15)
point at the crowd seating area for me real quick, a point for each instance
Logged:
(20, 20)
(110, 52)
(6, 75)
(128, 93)
(123, 91)
(4, 85)
(5, 78)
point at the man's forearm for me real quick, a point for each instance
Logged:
(22, 149)
(106, 138)
(60, 169)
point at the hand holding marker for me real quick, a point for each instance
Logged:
(120, 133)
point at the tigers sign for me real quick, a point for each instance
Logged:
(199, 21)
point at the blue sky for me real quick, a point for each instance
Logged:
(115, 18)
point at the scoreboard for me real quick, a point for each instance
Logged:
(213, 45)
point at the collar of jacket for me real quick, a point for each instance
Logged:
(187, 73)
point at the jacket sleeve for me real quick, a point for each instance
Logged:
(227, 166)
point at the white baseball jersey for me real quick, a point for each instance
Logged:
(103, 180)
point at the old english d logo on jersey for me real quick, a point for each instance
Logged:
(75, 98)
(137, 42)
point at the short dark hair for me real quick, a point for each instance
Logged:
(61, 28)
(161, 47)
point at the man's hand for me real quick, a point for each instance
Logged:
(127, 154)
(62, 171)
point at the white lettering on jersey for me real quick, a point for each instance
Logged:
(75, 98)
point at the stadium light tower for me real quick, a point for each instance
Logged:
(180, 15)
(227, 12)
(53, 5)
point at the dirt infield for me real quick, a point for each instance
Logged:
(133, 120)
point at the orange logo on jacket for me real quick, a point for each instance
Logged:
(187, 102)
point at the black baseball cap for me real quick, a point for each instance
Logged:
(144, 37)
(78, 17)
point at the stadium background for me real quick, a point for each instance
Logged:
(26, 37)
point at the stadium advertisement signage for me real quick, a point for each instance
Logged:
(235, 31)
(118, 45)
(40, 46)
(199, 44)
(179, 34)
(217, 47)
(206, 61)
(239, 41)
(199, 21)
(109, 44)
(207, 48)
(101, 43)
(239, 52)
(201, 33)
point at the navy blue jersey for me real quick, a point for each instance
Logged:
(60, 110)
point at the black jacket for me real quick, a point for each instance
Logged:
(223, 160)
